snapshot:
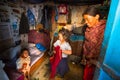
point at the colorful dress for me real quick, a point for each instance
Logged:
(91, 48)
(93, 39)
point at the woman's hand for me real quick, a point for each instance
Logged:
(54, 51)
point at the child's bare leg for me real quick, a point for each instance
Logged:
(28, 73)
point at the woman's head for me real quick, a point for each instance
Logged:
(24, 53)
(63, 34)
(91, 16)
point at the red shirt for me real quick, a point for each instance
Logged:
(93, 39)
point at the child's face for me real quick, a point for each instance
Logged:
(25, 54)
(60, 37)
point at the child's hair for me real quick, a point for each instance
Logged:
(65, 33)
(24, 49)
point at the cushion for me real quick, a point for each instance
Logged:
(3, 75)
(11, 52)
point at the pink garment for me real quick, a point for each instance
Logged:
(88, 72)
(21, 77)
(55, 61)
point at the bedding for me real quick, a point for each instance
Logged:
(39, 37)
(35, 53)
(36, 41)
(35, 58)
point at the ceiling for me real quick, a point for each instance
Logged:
(69, 2)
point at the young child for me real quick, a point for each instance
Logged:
(23, 62)
(64, 47)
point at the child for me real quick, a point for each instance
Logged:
(23, 62)
(65, 49)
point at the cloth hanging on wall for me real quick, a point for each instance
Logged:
(24, 25)
(62, 9)
(46, 18)
(34, 9)
(24, 40)
(56, 12)
(31, 18)
(40, 14)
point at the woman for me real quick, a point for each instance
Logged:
(93, 39)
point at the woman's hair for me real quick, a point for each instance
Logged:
(92, 11)
(65, 33)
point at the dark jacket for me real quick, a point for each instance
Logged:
(24, 24)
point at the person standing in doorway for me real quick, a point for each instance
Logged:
(93, 39)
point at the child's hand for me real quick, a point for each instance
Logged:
(24, 65)
(20, 70)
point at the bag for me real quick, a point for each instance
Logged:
(40, 47)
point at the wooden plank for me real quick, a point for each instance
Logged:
(37, 64)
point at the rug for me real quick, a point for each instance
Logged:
(42, 73)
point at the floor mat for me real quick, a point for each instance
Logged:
(42, 73)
